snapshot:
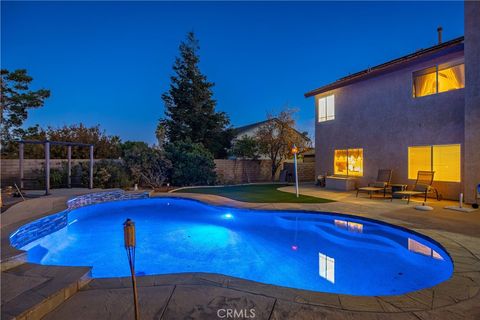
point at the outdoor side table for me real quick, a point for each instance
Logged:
(398, 187)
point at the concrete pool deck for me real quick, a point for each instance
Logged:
(200, 295)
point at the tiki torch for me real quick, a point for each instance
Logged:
(129, 239)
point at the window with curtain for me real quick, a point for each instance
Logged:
(425, 82)
(451, 78)
(348, 162)
(441, 78)
(419, 159)
(355, 162)
(340, 162)
(326, 108)
(445, 160)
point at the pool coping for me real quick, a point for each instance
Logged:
(463, 286)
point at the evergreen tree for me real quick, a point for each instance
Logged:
(190, 107)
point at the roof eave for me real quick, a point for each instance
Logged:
(385, 67)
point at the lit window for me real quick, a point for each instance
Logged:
(451, 78)
(340, 162)
(326, 267)
(425, 82)
(441, 78)
(443, 159)
(348, 162)
(419, 159)
(446, 163)
(326, 108)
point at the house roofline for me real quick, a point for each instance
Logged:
(247, 127)
(452, 45)
(242, 129)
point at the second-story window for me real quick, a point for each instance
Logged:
(440, 78)
(326, 108)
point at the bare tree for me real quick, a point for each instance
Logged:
(277, 137)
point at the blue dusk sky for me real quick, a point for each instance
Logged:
(108, 63)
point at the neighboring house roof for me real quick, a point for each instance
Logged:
(241, 130)
(437, 50)
(238, 131)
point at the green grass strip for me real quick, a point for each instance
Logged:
(259, 193)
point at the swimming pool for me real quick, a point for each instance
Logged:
(313, 251)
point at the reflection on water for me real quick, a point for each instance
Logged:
(349, 226)
(326, 267)
(417, 247)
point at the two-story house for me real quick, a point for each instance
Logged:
(418, 112)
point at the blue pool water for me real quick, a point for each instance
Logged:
(313, 251)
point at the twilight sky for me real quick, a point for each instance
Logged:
(109, 62)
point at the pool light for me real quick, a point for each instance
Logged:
(227, 216)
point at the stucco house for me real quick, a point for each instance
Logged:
(418, 112)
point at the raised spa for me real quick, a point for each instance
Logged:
(313, 251)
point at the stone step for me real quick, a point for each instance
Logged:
(175, 296)
(12, 258)
(30, 291)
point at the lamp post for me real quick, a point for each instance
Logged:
(295, 151)
(129, 240)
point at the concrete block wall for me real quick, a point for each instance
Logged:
(10, 168)
(306, 171)
(241, 171)
(228, 171)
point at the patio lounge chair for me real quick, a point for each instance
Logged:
(423, 186)
(384, 177)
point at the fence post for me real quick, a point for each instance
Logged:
(69, 166)
(91, 168)
(20, 165)
(47, 168)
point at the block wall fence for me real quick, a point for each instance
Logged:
(228, 171)
(10, 168)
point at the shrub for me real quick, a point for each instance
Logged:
(108, 174)
(58, 177)
(192, 164)
(148, 166)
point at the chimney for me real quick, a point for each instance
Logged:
(439, 30)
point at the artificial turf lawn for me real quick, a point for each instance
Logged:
(256, 193)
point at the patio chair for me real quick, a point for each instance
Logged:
(384, 176)
(422, 186)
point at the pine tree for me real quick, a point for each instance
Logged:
(190, 107)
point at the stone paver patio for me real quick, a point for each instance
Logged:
(200, 296)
